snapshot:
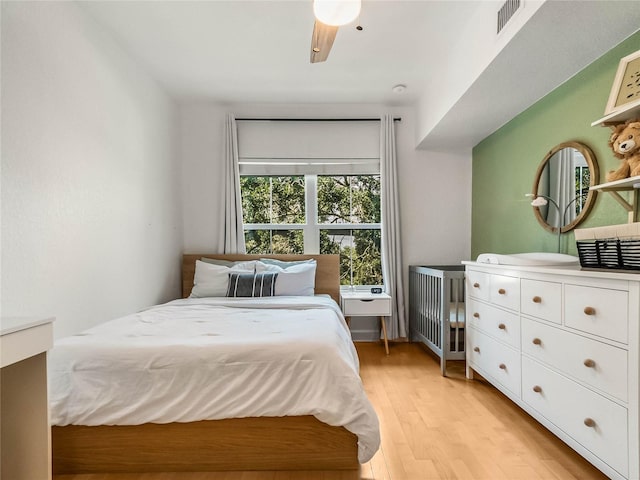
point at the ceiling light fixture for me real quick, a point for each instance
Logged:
(399, 88)
(336, 12)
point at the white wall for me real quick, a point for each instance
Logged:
(436, 207)
(91, 201)
(201, 129)
(435, 191)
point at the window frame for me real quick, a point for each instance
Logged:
(311, 228)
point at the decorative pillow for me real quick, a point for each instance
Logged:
(296, 280)
(212, 280)
(252, 284)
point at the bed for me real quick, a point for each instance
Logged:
(316, 417)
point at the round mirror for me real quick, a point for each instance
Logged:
(563, 178)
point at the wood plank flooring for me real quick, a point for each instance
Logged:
(432, 428)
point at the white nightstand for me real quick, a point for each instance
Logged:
(366, 304)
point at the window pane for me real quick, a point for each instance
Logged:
(274, 241)
(287, 241)
(288, 199)
(272, 199)
(334, 205)
(349, 199)
(338, 242)
(365, 192)
(359, 251)
(255, 199)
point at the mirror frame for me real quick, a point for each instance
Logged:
(594, 176)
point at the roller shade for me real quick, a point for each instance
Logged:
(306, 147)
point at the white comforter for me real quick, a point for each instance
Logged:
(211, 358)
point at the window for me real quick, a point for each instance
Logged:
(313, 187)
(328, 214)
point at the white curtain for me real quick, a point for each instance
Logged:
(569, 191)
(391, 245)
(232, 200)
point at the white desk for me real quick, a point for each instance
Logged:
(367, 304)
(25, 434)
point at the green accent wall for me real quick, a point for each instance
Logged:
(505, 163)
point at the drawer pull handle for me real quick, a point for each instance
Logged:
(590, 422)
(502, 326)
(589, 311)
(536, 299)
(589, 363)
(476, 285)
(476, 314)
(476, 349)
(502, 366)
(537, 388)
(502, 291)
(536, 341)
(366, 299)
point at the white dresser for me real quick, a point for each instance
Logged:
(25, 433)
(563, 344)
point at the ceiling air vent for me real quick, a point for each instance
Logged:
(506, 12)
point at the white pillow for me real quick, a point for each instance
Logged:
(246, 266)
(285, 264)
(212, 280)
(296, 280)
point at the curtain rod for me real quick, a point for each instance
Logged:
(395, 119)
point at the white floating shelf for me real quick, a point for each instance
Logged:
(630, 111)
(630, 183)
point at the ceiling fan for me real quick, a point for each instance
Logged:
(330, 14)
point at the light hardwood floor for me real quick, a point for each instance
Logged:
(432, 428)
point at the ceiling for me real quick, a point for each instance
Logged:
(257, 52)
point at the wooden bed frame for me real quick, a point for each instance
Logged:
(265, 443)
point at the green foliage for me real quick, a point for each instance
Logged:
(349, 199)
(343, 199)
(367, 264)
(274, 241)
(359, 251)
(256, 193)
(272, 199)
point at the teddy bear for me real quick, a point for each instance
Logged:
(625, 143)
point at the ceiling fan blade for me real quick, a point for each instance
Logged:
(321, 41)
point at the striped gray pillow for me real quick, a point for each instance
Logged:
(252, 284)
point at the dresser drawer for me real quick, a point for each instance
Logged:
(541, 299)
(500, 362)
(598, 311)
(598, 424)
(477, 284)
(505, 291)
(602, 366)
(495, 322)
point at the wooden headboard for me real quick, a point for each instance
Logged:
(327, 269)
